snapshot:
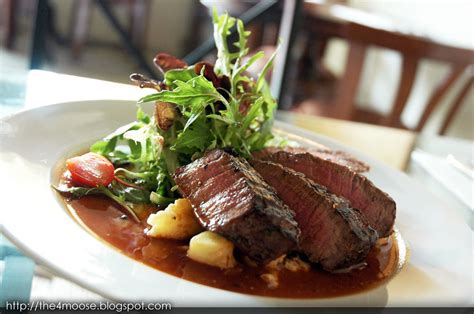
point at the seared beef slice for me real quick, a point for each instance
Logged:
(332, 233)
(337, 157)
(230, 198)
(376, 206)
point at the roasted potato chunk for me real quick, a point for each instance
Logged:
(177, 221)
(212, 249)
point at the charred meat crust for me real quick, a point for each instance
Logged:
(229, 197)
(377, 206)
(337, 157)
(332, 233)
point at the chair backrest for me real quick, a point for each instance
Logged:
(412, 49)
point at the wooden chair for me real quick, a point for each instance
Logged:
(138, 16)
(322, 26)
(10, 10)
(7, 23)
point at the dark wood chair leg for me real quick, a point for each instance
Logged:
(40, 32)
(139, 15)
(132, 49)
(10, 25)
(455, 107)
(80, 26)
(282, 80)
(438, 93)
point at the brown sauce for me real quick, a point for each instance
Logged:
(105, 219)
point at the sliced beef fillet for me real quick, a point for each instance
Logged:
(376, 206)
(230, 198)
(332, 233)
(337, 157)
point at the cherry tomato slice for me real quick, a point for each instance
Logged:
(91, 169)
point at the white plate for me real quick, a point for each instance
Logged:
(439, 271)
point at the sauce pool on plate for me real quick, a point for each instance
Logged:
(104, 219)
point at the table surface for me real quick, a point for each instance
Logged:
(391, 146)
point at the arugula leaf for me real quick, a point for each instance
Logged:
(195, 138)
(261, 76)
(139, 144)
(163, 177)
(236, 74)
(158, 199)
(130, 194)
(78, 192)
(182, 75)
(121, 130)
(104, 147)
(243, 38)
(107, 146)
(142, 116)
(222, 118)
(253, 113)
(196, 92)
(222, 27)
(140, 135)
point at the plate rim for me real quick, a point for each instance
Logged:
(309, 135)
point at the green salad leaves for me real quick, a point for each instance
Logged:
(204, 107)
(205, 125)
